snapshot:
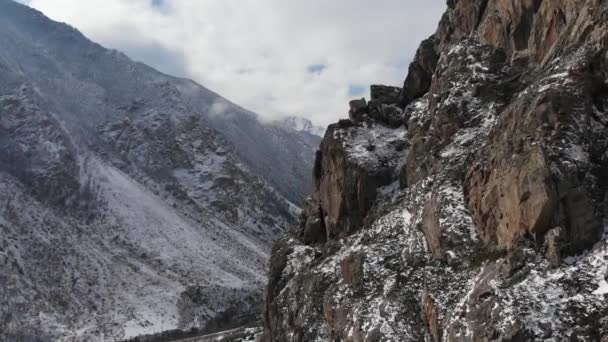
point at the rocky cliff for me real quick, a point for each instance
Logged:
(470, 205)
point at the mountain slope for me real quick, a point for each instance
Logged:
(301, 125)
(128, 203)
(59, 60)
(473, 206)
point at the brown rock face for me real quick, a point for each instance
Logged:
(509, 201)
(351, 164)
(519, 185)
(535, 174)
(461, 19)
(431, 228)
(526, 29)
(345, 191)
(430, 316)
(312, 223)
(351, 268)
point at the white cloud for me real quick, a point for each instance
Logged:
(275, 57)
(219, 107)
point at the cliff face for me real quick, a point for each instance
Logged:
(470, 205)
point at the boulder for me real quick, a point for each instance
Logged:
(384, 94)
(358, 108)
(390, 115)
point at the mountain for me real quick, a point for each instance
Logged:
(469, 205)
(131, 201)
(299, 124)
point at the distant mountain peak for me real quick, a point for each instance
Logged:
(301, 124)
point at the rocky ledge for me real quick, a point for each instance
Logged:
(469, 205)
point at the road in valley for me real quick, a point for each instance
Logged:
(235, 335)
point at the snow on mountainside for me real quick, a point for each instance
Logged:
(301, 125)
(128, 203)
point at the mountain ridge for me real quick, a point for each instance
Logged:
(301, 125)
(129, 204)
(63, 39)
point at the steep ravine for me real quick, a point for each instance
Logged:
(470, 205)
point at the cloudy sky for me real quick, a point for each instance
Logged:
(276, 57)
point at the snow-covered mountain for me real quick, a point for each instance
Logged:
(130, 201)
(300, 124)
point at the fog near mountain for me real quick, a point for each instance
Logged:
(126, 207)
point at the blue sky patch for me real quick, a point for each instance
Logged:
(316, 69)
(357, 90)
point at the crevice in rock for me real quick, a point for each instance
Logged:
(324, 233)
(521, 34)
(317, 170)
(482, 12)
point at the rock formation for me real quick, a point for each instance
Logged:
(470, 205)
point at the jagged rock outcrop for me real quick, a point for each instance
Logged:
(420, 72)
(489, 223)
(345, 188)
(383, 94)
